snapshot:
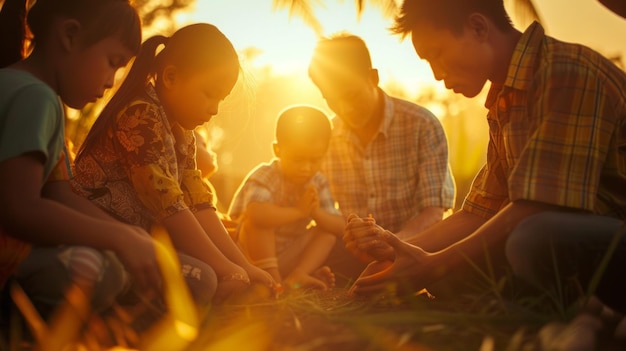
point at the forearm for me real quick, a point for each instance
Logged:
(189, 237)
(494, 231)
(267, 215)
(329, 222)
(426, 218)
(61, 191)
(26, 215)
(47, 223)
(447, 232)
(218, 234)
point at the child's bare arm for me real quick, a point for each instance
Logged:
(189, 237)
(62, 192)
(330, 222)
(214, 228)
(28, 216)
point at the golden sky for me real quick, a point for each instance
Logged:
(286, 43)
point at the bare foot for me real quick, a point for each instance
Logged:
(326, 275)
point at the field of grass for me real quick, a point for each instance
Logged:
(318, 320)
(471, 310)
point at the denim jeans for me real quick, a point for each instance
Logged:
(571, 246)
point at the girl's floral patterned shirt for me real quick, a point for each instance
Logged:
(144, 169)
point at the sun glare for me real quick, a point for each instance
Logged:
(285, 44)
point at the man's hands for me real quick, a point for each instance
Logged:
(412, 266)
(391, 260)
(363, 237)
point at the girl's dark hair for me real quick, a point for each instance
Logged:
(12, 27)
(449, 14)
(192, 47)
(100, 19)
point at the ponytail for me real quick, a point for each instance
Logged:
(194, 46)
(13, 29)
(142, 71)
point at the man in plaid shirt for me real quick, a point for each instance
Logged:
(387, 157)
(551, 199)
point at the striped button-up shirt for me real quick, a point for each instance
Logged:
(557, 131)
(402, 170)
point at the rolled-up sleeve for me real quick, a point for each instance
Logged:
(488, 193)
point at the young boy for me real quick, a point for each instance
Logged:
(276, 203)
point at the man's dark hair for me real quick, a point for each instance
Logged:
(448, 14)
(340, 54)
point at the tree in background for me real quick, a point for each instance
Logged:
(524, 10)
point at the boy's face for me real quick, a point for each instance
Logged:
(352, 97)
(462, 60)
(300, 161)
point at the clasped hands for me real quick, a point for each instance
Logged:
(390, 259)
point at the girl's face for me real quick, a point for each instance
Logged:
(89, 71)
(192, 98)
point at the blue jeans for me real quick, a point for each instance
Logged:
(570, 245)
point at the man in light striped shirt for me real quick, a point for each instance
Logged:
(387, 157)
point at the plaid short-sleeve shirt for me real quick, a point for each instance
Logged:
(401, 171)
(266, 183)
(557, 131)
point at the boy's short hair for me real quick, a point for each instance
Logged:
(340, 54)
(448, 14)
(302, 123)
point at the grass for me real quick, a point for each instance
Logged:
(330, 320)
(477, 312)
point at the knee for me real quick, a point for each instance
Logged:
(527, 244)
(111, 281)
(201, 280)
(99, 272)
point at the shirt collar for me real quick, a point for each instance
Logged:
(523, 62)
(388, 113)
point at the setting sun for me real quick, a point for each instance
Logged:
(285, 44)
